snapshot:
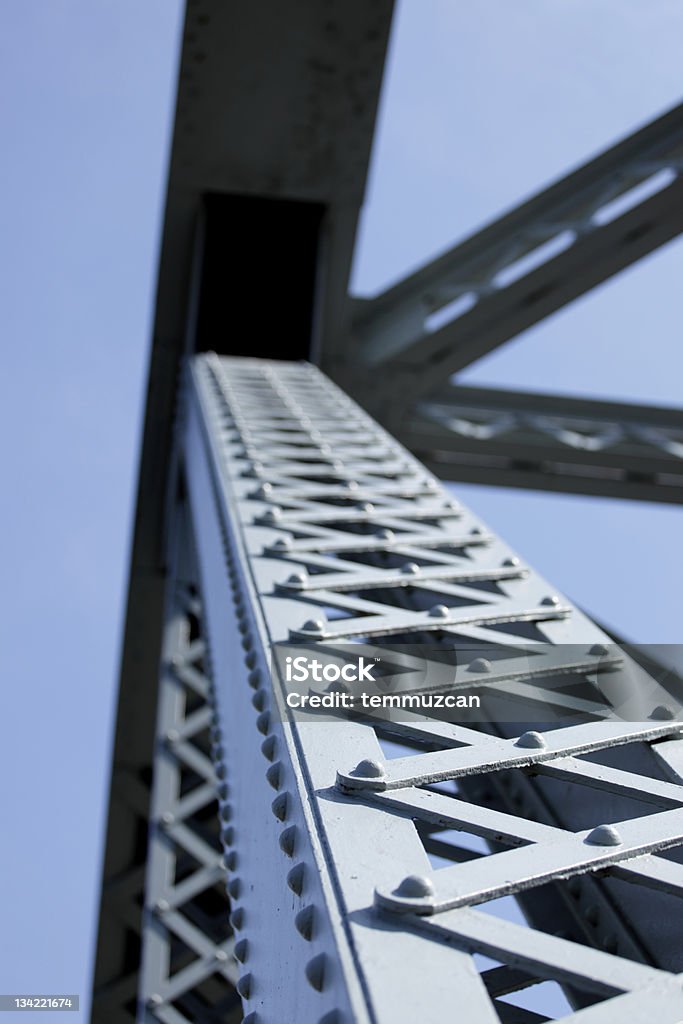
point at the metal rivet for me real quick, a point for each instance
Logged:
(162, 906)
(551, 600)
(315, 971)
(410, 569)
(369, 769)
(272, 515)
(532, 740)
(662, 713)
(415, 887)
(298, 579)
(287, 840)
(316, 626)
(237, 919)
(305, 922)
(263, 722)
(243, 986)
(274, 775)
(167, 818)
(480, 665)
(386, 535)
(280, 806)
(269, 747)
(296, 878)
(263, 491)
(598, 650)
(172, 736)
(260, 700)
(511, 562)
(283, 543)
(155, 999)
(604, 835)
(439, 611)
(241, 950)
(220, 955)
(366, 506)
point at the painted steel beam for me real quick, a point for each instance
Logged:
(313, 527)
(274, 103)
(549, 442)
(542, 255)
(168, 904)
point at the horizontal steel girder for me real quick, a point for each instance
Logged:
(312, 524)
(518, 270)
(549, 442)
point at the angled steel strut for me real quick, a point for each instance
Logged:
(366, 854)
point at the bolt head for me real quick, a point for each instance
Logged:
(410, 569)
(283, 543)
(551, 600)
(604, 835)
(221, 955)
(385, 534)
(662, 713)
(415, 887)
(531, 740)
(366, 506)
(272, 515)
(172, 735)
(369, 769)
(298, 579)
(598, 650)
(316, 626)
(167, 818)
(511, 562)
(439, 611)
(481, 665)
(161, 906)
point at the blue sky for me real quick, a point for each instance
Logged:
(484, 103)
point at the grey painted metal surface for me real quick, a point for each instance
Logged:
(496, 284)
(188, 970)
(336, 832)
(522, 267)
(549, 442)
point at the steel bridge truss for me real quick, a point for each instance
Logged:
(409, 340)
(367, 858)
